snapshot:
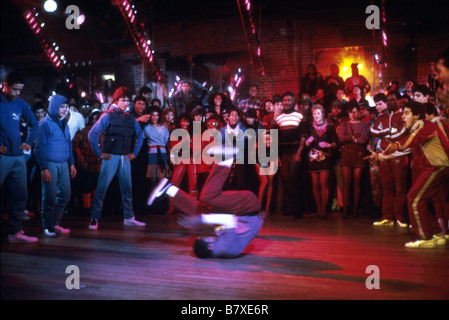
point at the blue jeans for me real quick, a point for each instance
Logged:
(109, 168)
(13, 172)
(55, 194)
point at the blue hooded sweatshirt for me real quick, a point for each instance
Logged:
(53, 141)
(10, 114)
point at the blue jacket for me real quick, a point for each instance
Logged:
(10, 114)
(53, 142)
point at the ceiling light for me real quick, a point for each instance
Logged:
(50, 6)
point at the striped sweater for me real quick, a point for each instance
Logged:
(291, 128)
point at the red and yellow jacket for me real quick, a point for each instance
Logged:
(429, 142)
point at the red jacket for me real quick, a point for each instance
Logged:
(429, 144)
(389, 127)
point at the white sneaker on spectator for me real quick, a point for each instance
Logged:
(50, 233)
(401, 224)
(20, 237)
(25, 215)
(93, 224)
(132, 222)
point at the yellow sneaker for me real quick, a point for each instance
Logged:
(384, 222)
(440, 239)
(422, 244)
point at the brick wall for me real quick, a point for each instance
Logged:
(33, 84)
(288, 47)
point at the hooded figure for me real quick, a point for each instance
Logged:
(53, 142)
(55, 158)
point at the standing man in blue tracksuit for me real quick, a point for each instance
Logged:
(121, 143)
(54, 156)
(13, 169)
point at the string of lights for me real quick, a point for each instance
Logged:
(235, 82)
(141, 39)
(380, 57)
(384, 34)
(175, 86)
(249, 10)
(50, 47)
(383, 62)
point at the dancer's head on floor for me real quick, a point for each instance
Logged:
(202, 247)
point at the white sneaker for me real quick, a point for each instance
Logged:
(93, 224)
(401, 224)
(20, 237)
(50, 233)
(159, 190)
(132, 222)
(61, 230)
(25, 215)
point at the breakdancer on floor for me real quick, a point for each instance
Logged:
(236, 212)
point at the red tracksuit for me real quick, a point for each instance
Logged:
(430, 152)
(393, 173)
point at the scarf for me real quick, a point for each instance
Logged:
(320, 128)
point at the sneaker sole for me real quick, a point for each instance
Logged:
(134, 225)
(46, 235)
(22, 241)
(424, 246)
(156, 191)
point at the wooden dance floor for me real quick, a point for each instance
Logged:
(290, 259)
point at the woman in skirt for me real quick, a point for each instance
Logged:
(157, 136)
(354, 137)
(323, 139)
